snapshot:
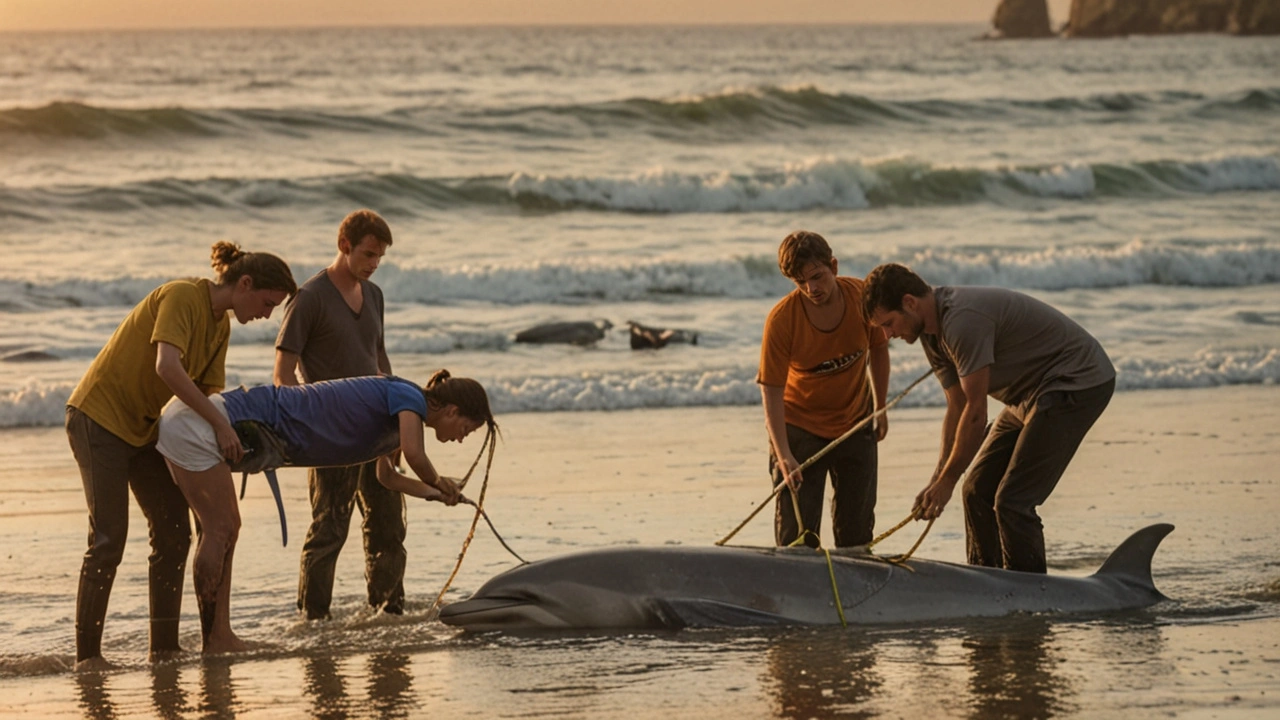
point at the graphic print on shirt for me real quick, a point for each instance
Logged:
(834, 365)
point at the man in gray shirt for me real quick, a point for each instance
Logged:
(333, 329)
(1053, 377)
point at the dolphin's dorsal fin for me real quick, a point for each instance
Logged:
(1133, 557)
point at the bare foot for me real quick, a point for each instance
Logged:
(94, 664)
(233, 644)
(229, 643)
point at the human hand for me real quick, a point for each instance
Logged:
(790, 470)
(882, 426)
(449, 491)
(930, 502)
(228, 443)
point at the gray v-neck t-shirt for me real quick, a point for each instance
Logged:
(330, 339)
(1031, 347)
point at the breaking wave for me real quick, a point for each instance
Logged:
(727, 111)
(819, 183)
(1139, 262)
(43, 404)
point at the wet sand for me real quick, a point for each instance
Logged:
(1204, 460)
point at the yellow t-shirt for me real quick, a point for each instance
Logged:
(823, 374)
(121, 390)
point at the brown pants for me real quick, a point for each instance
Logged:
(335, 492)
(1016, 470)
(852, 467)
(109, 468)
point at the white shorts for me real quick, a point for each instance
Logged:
(186, 439)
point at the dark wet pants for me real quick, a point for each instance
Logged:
(334, 494)
(852, 467)
(1016, 470)
(109, 468)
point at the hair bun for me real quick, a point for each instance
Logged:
(224, 254)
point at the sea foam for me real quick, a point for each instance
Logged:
(43, 404)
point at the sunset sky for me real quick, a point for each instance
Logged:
(94, 14)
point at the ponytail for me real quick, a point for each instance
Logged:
(267, 271)
(464, 393)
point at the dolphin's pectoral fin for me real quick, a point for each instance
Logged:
(696, 612)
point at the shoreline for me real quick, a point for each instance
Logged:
(1201, 459)
(718, 455)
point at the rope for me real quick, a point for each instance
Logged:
(491, 442)
(485, 515)
(831, 570)
(818, 455)
(900, 559)
(795, 503)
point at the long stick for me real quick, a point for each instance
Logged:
(830, 446)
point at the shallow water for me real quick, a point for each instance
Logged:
(565, 481)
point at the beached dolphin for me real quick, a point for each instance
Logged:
(677, 587)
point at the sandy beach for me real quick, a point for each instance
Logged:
(1203, 460)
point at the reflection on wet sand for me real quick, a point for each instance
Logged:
(325, 688)
(390, 685)
(217, 691)
(95, 701)
(813, 675)
(167, 696)
(1013, 671)
(1012, 667)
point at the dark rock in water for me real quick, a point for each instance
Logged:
(643, 338)
(1255, 17)
(1109, 18)
(1022, 19)
(29, 356)
(570, 333)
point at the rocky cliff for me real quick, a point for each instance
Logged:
(1022, 19)
(1107, 18)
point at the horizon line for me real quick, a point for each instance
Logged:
(485, 26)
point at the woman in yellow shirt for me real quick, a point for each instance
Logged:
(174, 342)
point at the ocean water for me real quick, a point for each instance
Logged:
(536, 175)
(624, 174)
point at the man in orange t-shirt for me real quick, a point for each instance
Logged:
(814, 357)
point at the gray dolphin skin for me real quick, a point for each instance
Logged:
(678, 587)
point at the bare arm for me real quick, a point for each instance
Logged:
(880, 386)
(775, 424)
(169, 368)
(961, 438)
(432, 485)
(286, 371)
(384, 362)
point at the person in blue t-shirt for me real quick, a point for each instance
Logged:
(335, 422)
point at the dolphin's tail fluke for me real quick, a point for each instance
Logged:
(1132, 560)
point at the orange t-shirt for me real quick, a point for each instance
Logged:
(826, 390)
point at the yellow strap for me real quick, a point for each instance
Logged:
(835, 590)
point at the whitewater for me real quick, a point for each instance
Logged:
(530, 177)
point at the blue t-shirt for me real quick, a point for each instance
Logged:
(335, 422)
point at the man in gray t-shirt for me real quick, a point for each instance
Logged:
(1053, 377)
(333, 329)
